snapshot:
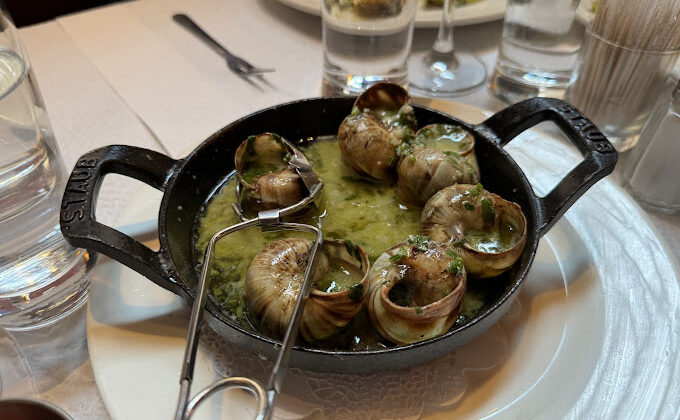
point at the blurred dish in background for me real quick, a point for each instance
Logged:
(479, 11)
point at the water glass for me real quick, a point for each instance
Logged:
(364, 42)
(539, 49)
(41, 276)
(650, 170)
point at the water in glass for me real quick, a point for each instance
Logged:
(362, 48)
(539, 49)
(34, 258)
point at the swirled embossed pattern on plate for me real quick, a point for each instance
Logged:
(593, 333)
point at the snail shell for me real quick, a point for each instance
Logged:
(439, 156)
(450, 138)
(274, 278)
(426, 170)
(488, 231)
(380, 120)
(416, 291)
(262, 170)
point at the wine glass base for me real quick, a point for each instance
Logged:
(431, 76)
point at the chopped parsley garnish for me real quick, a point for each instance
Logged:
(460, 243)
(355, 111)
(488, 212)
(474, 191)
(403, 149)
(276, 137)
(356, 292)
(250, 146)
(407, 117)
(403, 253)
(411, 158)
(408, 134)
(425, 132)
(419, 241)
(456, 266)
(468, 205)
(352, 249)
(418, 310)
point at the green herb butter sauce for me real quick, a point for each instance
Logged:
(351, 207)
(494, 241)
(341, 276)
(444, 137)
(267, 161)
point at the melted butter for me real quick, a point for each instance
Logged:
(266, 161)
(444, 137)
(352, 207)
(341, 276)
(495, 241)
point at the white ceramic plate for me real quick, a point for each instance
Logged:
(593, 334)
(470, 14)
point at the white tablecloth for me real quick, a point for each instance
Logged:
(127, 74)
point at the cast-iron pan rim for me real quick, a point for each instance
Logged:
(215, 312)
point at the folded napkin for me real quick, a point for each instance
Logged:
(178, 87)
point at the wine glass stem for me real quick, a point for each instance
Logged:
(444, 42)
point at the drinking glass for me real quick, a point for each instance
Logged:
(364, 42)
(16, 377)
(539, 50)
(441, 71)
(41, 276)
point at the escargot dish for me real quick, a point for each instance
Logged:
(262, 169)
(339, 285)
(440, 155)
(409, 231)
(489, 231)
(380, 120)
(416, 289)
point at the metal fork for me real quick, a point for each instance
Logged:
(236, 64)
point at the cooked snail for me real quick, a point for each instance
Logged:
(488, 231)
(416, 289)
(449, 138)
(439, 156)
(339, 287)
(380, 120)
(262, 169)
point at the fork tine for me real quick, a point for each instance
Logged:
(249, 81)
(256, 70)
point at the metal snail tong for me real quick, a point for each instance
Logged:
(267, 220)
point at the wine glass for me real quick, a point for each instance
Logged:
(441, 71)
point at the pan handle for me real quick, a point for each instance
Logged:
(77, 218)
(599, 155)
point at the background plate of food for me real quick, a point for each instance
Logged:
(467, 12)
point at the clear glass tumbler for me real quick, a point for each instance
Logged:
(649, 171)
(538, 51)
(364, 42)
(41, 276)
